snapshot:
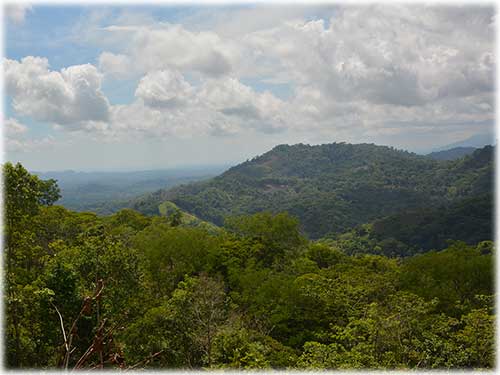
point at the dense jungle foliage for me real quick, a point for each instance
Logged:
(331, 188)
(133, 291)
(417, 231)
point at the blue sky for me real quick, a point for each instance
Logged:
(141, 87)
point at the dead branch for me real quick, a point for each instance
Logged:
(96, 346)
(86, 306)
(62, 327)
(145, 361)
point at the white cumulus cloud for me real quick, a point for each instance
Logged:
(166, 89)
(70, 97)
(168, 46)
(349, 72)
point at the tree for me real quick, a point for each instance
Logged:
(279, 234)
(184, 327)
(175, 218)
(454, 275)
(169, 253)
(24, 193)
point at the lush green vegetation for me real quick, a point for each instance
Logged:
(416, 231)
(128, 290)
(331, 188)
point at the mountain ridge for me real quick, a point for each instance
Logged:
(452, 153)
(330, 187)
(476, 141)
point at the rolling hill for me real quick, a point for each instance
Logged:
(330, 188)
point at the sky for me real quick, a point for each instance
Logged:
(144, 87)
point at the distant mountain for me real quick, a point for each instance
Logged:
(452, 154)
(331, 187)
(476, 141)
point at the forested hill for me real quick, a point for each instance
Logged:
(416, 231)
(332, 187)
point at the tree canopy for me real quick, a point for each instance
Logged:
(128, 291)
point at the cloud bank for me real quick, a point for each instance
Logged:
(369, 70)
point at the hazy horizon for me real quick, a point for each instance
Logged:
(190, 167)
(481, 141)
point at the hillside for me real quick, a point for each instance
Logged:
(330, 188)
(181, 218)
(407, 233)
(469, 220)
(452, 153)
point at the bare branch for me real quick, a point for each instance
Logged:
(145, 361)
(62, 326)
